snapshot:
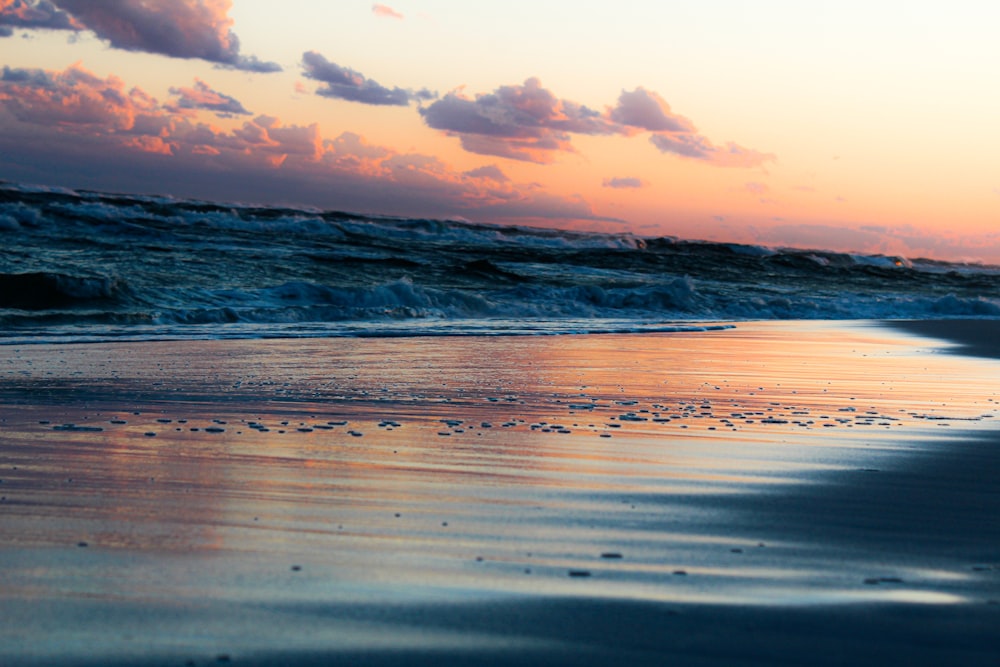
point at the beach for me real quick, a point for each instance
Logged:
(785, 492)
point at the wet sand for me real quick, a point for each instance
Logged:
(777, 493)
(975, 337)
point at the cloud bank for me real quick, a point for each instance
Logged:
(346, 84)
(89, 131)
(530, 123)
(198, 29)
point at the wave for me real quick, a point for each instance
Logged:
(42, 290)
(93, 264)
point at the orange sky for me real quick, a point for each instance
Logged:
(842, 125)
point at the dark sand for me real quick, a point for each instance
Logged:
(777, 494)
(975, 337)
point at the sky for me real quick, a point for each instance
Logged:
(850, 125)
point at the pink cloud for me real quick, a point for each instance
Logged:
(149, 144)
(74, 98)
(385, 11)
(176, 28)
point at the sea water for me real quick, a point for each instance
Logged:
(86, 266)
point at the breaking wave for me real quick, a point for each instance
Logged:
(89, 266)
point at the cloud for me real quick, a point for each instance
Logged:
(346, 84)
(625, 182)
(74, 99)
(81, 130)
(176, 28)
(203, 97)
(698, 147)
(525, 122)
(490, 172)
(647, 110)
(756, 188)
(41, 14)
(528, 122)
(385, 11)
(77, 103)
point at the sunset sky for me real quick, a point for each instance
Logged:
(848, 125)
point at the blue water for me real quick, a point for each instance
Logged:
(87, 266)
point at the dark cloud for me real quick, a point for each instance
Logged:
(624, 182)
(34, 77)
(189, 29)
(528, 111)
(203, 97)
(346, 84)
(40, 14)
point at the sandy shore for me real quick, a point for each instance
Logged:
(778, 493)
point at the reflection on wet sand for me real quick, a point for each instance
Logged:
(610, 467)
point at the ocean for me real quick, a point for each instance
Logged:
(81, 266)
